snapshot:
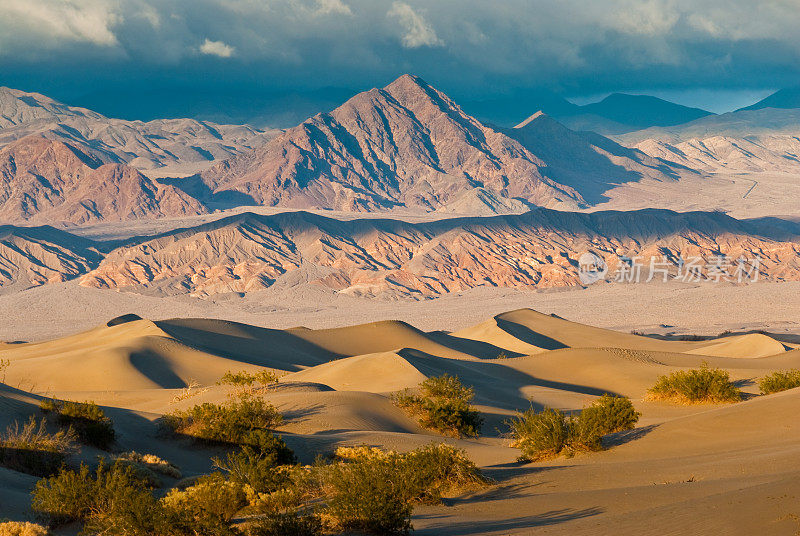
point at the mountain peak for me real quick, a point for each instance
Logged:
(407, 81)
(783, 98)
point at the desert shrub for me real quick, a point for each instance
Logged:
(291, 487)
(257, 467)
(231, 422)
(779, 381)
(87, 419)
(206, 507)
(540, 435)
(288, 524)
(546, 434)
(438, 469)
(444, 405)
(33, 450)
(606, 415)
(82, 495)
(427, 473)
(369, 496)
(20, 528)
(249, 379)
(697, 385)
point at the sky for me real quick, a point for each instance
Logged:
(284, 57)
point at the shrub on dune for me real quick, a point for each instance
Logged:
(368, 496)
(548, 433)
(99, 496)
(87, 419)
(249, 379)
(696, 386)
(373, 490)
(231, 422)
(33, 450)
(444, 405)
(607, 415)
(540, 435)
(429, 472)
(779, 381)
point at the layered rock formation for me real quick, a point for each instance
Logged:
(390, 258)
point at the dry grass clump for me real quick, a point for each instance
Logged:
(703, 385)
(549, 433)
(152, 462)
(33, 450)
(22, 528)
(87, 419)
(779, 381)
(148, 467)
(445, 405)
(249, 380)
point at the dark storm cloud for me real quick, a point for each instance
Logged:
(470, 48)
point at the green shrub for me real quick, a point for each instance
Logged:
(81, 495)
(33, 450)
(231, 422)
(369, 496)
(606, 415)
(426, 473)
(546, 434)
(444, 405)
(779, 381)
(114, 500)
(437, 469)
(540, 435)
(288, 524)
(698, 385)
(211, 503)
(256, 467)
(87, 419)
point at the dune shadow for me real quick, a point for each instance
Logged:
(156, 369)
(480, 349)
(495, 384)
(525, 334)
(299, 415)
(474, 527)
(253, 345)
(620, 438)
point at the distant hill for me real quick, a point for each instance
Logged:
(620, 113)
(783, 98)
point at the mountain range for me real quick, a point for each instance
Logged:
(406, 146)
(390, 258)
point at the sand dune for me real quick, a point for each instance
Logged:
(752, 345)
(335, 392)
(382, 373)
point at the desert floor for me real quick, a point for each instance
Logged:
(686, 469)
